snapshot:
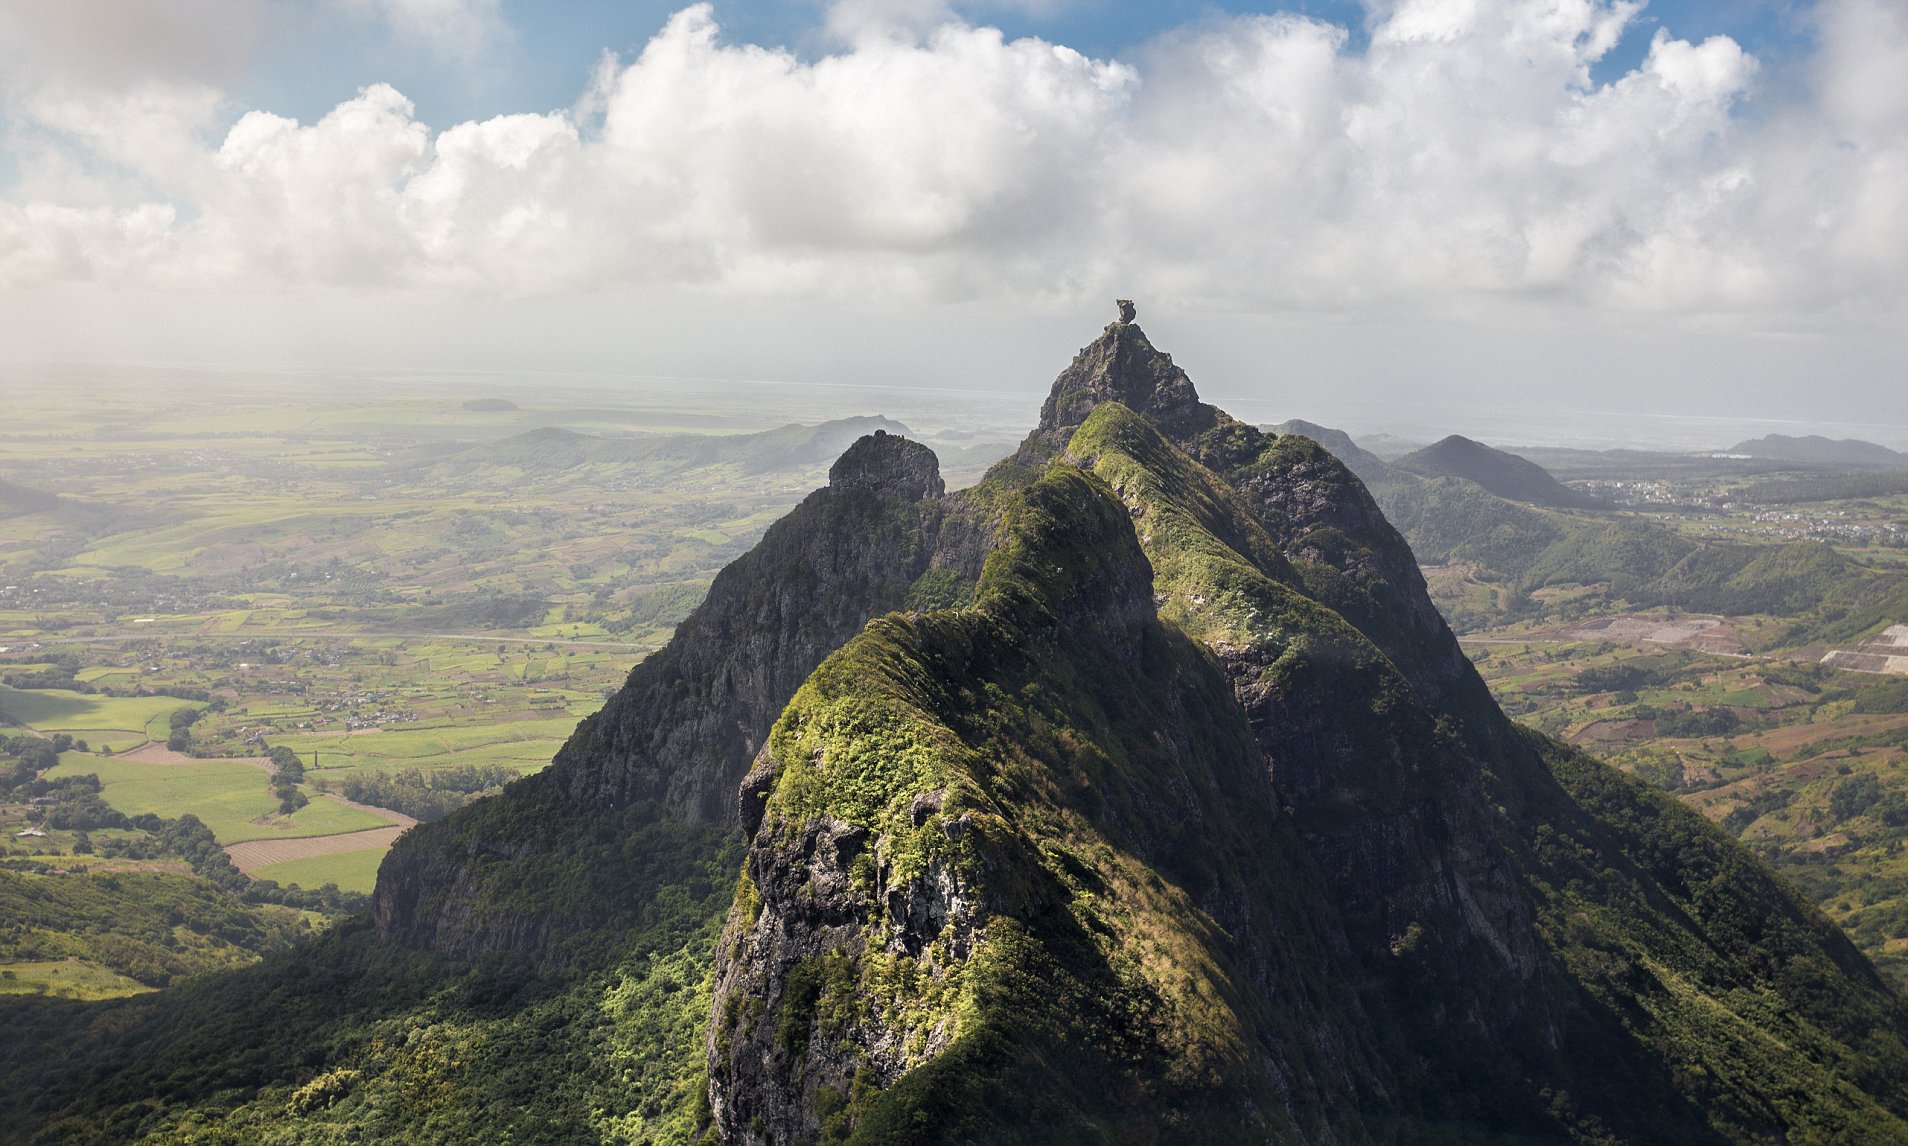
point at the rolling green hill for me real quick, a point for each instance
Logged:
(1824, 595)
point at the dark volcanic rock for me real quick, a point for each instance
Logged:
(1122, 366)
(890, 464)
(689, 720)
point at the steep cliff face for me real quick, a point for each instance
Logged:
(684, 726)
(677, 738)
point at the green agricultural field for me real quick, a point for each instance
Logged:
(351, 871)
(233, 798)
(124, 722)
(526, 745)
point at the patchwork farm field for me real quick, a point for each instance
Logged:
(106, 721)
(1804, 762)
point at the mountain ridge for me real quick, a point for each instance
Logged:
(1137, 793)
(1819, 450)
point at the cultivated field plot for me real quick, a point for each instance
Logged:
(102, 721)
(232, 797)
(67, 979)
(350, 870)
(1886, 653)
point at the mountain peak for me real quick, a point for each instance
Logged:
(1122, 366)
(1502, 473)
(889, 463)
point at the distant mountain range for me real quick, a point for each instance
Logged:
(786, 447)
(1370, 468)
(1814, 449)
(1504, 474)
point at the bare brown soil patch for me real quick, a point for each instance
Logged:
(1798, 736)
(1604, 731)
(1887, 652)
(1708, 634)
(257, 853)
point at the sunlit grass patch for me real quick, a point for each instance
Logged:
(127, 720)
(351, 871)
(67, 979)
(230, 796)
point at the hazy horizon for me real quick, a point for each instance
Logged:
(1502, 216)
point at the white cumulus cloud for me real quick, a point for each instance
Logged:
(1463, 162)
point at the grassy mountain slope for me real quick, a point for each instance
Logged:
(879, 967)
(985, 789)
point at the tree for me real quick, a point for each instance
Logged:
(286, 765)
(1853, 795)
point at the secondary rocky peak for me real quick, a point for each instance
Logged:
(1120, 366)
(889, 463)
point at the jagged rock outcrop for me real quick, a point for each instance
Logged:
(886, 463)
(1122, 366)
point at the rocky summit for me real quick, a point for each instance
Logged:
(1135, 794)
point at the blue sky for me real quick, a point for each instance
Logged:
(551, 47)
